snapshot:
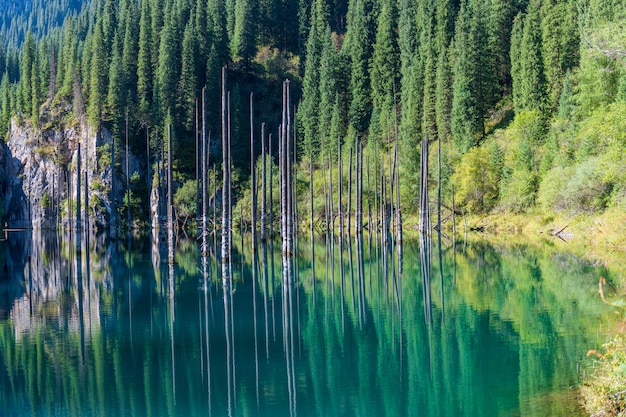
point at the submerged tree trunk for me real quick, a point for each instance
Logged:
(170, 198)
(263, 186)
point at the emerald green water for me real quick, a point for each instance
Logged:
(489, 331)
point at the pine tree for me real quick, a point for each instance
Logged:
(27, 61)
(531, 70)
(130, 50)
(329, 93)
(5, 105)
(517, 34)
(217, 27)
(384, 70)
(189, 77)
(109, 25)
(144, 63)
(309, 109)
(115, 104)
(443, 93)
(244, 32)
(168, 72)
(412, 84)
(98, 73)
(466, 117)
(359, 46)
(430, 72)
(560, 45)
(498, 21)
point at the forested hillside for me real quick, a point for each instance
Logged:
(526, 97)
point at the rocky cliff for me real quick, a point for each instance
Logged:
(39, 174)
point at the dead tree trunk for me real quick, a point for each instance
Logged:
(263, 186)
(225, 180)
(252, 175)
(170, 199)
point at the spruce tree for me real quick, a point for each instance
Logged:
(130, 50)
(98, 77)
(188, 84)
(384, 70)
(328, 92)
(5, 105)
(359, 44)
(144, 63)
(217, 27)
(309, 109)
(531, 69)
(27, 61)
(168, 72)
(517, 34)
(115, 105)
(559, 45)
(411, 93)
(443, 93)
(244, 32)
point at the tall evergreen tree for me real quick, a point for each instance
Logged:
(531, 69)
(329, 93)
(144, 63)
(130, 50)
(559, 45)
(98, 73)
(27, 62)
(384, 70)
(466, 117)
(359, 44)
(244, 31)
(5, 105)
(217, 26)
(411, 84)
(443, 93)
(189, 86)
(168, 72)
(517, 34)
(309, 109)
(115, 104)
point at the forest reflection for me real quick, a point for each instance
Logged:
(346, 327)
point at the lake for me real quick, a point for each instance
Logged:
(342, 329)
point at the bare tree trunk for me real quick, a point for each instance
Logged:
(225, 180)
(271, 191)
(78, 219)
(253, 175)
(170, 199)
(438, 185)
(349, 211)
(424, 209)
(339, 188)
(128, 215)
(199, 157)
(311, 220)
(113, 220)
(263, 186)
(369, 192)
(204, 176)
(330, 194)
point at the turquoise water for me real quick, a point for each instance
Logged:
(481, 330)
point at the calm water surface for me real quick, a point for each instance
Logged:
(115, 331)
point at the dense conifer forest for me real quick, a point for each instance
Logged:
(526, 99)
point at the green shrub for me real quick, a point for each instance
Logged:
(476, 181)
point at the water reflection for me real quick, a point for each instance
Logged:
(348, 327)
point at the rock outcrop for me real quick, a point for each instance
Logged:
(38, 175)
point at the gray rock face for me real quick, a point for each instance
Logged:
(39, 177)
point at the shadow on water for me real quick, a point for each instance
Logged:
(351, 326)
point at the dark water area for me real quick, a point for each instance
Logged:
(475, 329)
